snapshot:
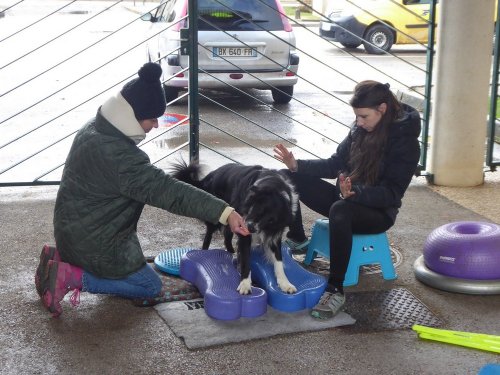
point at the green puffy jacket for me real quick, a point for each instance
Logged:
(106, 182)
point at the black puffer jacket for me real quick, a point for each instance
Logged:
(106, 181)
(397, 167)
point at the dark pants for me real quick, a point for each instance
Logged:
(345, 219)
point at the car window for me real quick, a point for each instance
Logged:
(166, 11)
(238, 15)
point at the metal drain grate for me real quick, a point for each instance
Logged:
(396, 257)
(388, 310)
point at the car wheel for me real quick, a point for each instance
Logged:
(380, 36)
(351, 45)
(171, 93)
(282, 95)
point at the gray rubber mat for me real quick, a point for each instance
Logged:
(189, 322)
(388, 310)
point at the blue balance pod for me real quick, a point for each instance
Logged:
(310, 286)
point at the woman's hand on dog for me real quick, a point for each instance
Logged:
(286, 157)
(237, 224)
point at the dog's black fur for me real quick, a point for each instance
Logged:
(265, 198)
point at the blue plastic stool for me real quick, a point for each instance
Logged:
(366, 249)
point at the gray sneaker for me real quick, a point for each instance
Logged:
(297, 247)
(328, 306)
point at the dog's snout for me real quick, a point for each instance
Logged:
(251, 227)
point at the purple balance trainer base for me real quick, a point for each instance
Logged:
(310, 286)
(216, 277)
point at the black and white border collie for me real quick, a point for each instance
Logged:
(267, 201)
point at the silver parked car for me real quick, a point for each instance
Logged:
(241, 43)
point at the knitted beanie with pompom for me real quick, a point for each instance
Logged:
(145, 94)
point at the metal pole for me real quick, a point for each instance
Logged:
(428, 82)
(493, 98)
(193, 100)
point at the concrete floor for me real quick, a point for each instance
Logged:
(108, 335)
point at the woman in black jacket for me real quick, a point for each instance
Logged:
(373, 166)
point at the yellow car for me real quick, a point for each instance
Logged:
(356, 22)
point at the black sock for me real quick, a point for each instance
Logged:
(334, 288)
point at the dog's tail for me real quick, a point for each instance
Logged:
(189, 174)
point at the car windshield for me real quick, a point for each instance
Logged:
(238, 15)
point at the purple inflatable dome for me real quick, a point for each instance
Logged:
(464, 249)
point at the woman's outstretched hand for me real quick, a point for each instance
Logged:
(286, 157)
(237, 224)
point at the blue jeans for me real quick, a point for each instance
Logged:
(145, 283)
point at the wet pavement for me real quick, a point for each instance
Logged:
(110, 335)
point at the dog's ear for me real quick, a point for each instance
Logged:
(254, 189)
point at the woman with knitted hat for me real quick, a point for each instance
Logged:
(106, 182)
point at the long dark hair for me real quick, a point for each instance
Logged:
(367, 148)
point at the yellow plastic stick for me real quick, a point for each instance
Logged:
(444, 332)
(469, 339)
(467, 343)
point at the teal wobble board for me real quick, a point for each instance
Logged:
(169, 261)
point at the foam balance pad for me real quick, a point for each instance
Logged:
(310, 286)
(169, 260)
(216, 277)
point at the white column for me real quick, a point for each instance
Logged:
(461, 91)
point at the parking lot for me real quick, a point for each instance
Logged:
(51, 86)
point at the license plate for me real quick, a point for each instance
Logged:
(234, 52)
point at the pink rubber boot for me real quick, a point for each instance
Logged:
(48, 253)
(62, 277)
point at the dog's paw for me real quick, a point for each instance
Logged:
(245, 286)
(287, 287)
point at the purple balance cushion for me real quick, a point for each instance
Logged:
(214, 274)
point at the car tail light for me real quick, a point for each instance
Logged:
(284, 19)
(290, 74)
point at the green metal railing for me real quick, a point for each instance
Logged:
(198, 123)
